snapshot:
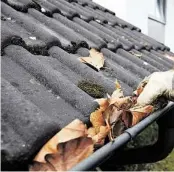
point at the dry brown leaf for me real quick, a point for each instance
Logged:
(91, 132)
(139, 113)
(69, 154)
(96, 59)
(127, 118)
(111, 116)
(40, 166)
(103, 102)
(106, 115)
(73, 130)
(117, 129)
(136, 114)
(99, 138)
(114, 117)
(117, 94)
(121, 103)
(97, 120)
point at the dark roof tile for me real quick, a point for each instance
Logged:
(107, 38)
(27, 122)
(125, 43)
(151, 61)
(161, 56)
(68, 38)
(44, 98)
(11, 35)
(94, 5)
(46, 7)
(138, 45)
(96, 41)
(155, 45)
(21, 5)
(122, 60)
(72, 10)
(33, 26)
(148, 67)
(51, 78)
(159, 59)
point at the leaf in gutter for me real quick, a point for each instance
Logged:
(99, 138)
(69, 154)
(111, 116)
(114, 119)
(91, 132)
(121, 103)
(95, 59)
(127, 119)
(73, 130)
(138, 113)
(97, 120)
(117, 128)
(103, 102)
(40, 166)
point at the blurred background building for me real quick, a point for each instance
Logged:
(154, 17)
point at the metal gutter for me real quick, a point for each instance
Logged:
(111, 148)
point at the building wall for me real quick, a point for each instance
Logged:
(141, 13)
(169, 28)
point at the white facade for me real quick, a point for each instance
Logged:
(154, 17)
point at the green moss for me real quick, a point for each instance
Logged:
(165, 165)
(92, 89)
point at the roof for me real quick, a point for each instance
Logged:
(45, 86)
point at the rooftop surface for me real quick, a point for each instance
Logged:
(45, 86)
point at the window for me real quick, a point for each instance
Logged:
(158, 10)
(157, 19)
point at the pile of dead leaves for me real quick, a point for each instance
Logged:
(75, 142)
